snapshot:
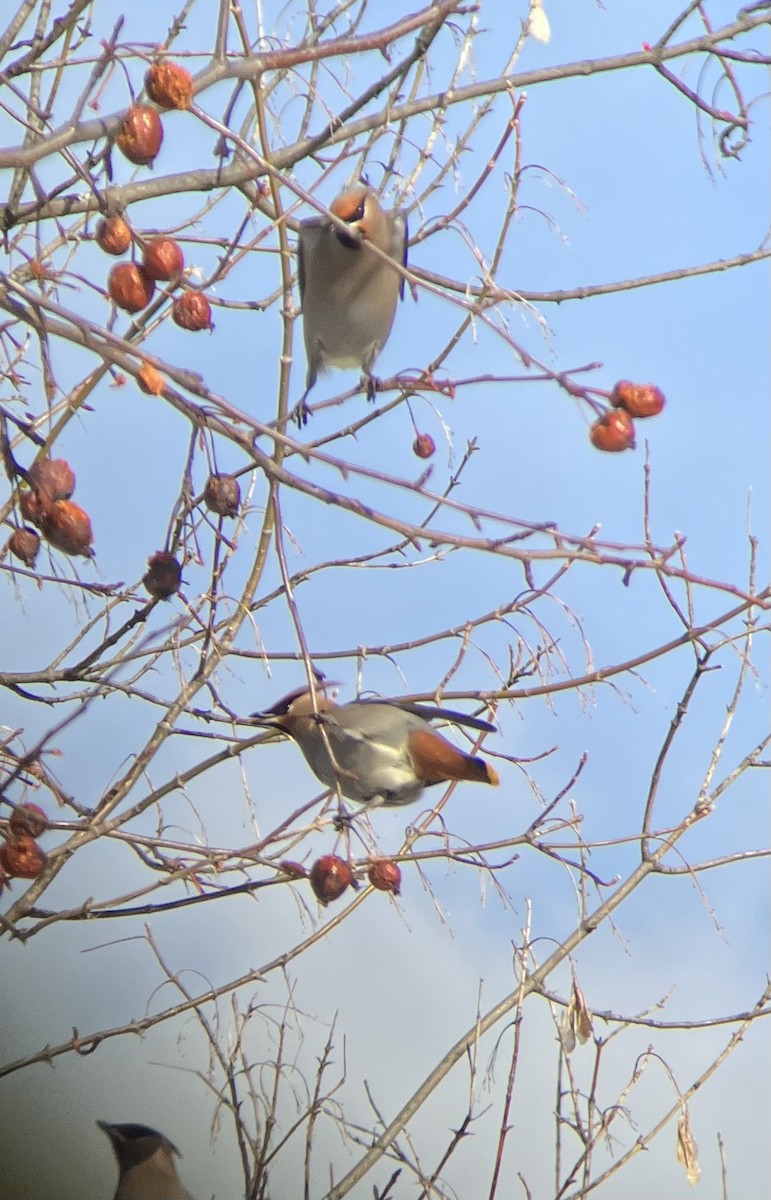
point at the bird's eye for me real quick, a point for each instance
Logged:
(358, 215)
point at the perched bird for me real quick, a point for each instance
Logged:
(348, 294)
(382, 751)
(145, 1162)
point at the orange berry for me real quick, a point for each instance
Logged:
(130, 287)
(113, 235)
(169, 85)
(614, 431)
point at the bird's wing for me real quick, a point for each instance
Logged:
(399, 239)
(308, 236)
(431, 712)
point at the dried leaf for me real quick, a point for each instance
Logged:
(583, 1019)
(577, 1022)
(687, 1149)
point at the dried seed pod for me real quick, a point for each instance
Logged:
(150, 380)
(614, 431)
(52, 479)
(113, 235)
(22, 858)
(24, 544)
(140, 135)
(385, 876)
(130, 287)
(638, 399)
(330, 876)
(67, 527)
(424, 445)
(192, 311)
(222, 495)
(169, 85)
(28, 820)
(163, 259)
(33, 507)
(163, 575)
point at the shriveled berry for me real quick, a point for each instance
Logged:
(424, 445)
(22, 858)
(163, 575)
(140, 135)
(113, 235)
(638, 399)
(163, 259)
(169, 85)
(28, 820)
(52, 479)
(192, 311)
(24, 544)
(385, 876)
(614, 431)
(330, 876)
(67, 527)
(150, 380)
(130, 287)
(33, 506)
(222, 495)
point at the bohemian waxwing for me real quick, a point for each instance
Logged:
(384, 751)
(348, 294)
(146, 1166)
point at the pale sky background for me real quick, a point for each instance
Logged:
(617, 189)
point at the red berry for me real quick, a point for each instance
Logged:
(67, 527)
(130, 287)
(424, 445)
(141, 135)
(28, 820)
(329, 877)
(113, 235)
(192, 311)
(163, 259)
(22, 858)
(385, 876)
(163, 576)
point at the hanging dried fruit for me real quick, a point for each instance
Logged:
(163, 575)
(113, 235)
(22, 858)
(140, 135)
(169, 85)
(52, 479)
(192, 311)
(638, 399)
(330, 876)
(222, 495)
(67, 527)
(385, 876)
(24, 544)
(163, 259)
(28, 820)
(613, 432)
(130, 287)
